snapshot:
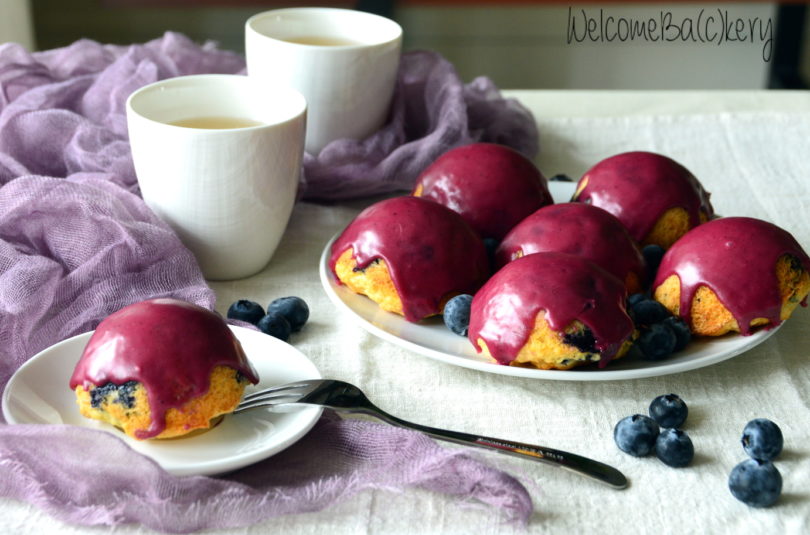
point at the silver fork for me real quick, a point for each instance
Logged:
(344, 397)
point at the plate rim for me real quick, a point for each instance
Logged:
(309, 415)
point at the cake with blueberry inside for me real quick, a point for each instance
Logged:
(655, 197)
(578, 229)
(493, 187)
(551, 311)
(733, 274)
(410, 256)
(161, 368)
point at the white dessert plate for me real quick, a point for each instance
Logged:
(38, 393)
(431, 338)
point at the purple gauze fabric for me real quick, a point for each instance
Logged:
(79, 243)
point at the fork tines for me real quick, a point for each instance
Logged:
(276, 395)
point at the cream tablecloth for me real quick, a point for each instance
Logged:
(752, 151)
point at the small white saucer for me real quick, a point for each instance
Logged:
(38, 393)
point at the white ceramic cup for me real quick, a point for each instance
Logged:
(227, 192)
(348, 87)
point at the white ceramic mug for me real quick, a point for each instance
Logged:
(227, 192)
(344, 62)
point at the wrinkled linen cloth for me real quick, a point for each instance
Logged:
(77, 243)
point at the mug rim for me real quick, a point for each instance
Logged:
(326, 11)
(299, 107)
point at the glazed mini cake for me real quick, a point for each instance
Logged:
(160, 369)
(733, 274)
(582, 230)
(493, 187)
(410, 256)
(655, 197)
(551, 311)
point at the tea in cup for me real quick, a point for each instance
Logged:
(344, 62)
(218, 158)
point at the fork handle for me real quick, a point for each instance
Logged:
(569, 461)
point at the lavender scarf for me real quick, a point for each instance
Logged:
(77, 243)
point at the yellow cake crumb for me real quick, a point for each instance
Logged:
(223, 395)
(545, 349)
(374, 281)
(709, 317)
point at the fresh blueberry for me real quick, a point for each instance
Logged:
(652, 256)
(636, 435)
(275, 325)
(246, 310)
(674, 448)
(762, 439)
(634, 299)
(755, 483)
(561, 177)
(669, 410)
(657, 342)
(457, 314)
(648, 311)
(294, 310)
(682, 333)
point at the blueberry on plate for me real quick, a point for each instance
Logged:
(636, 435)
(657, 342)
(649, 311)
(762, 439)
(682, 333)
(275, 325)
(652, 256)
(674, 448)
(635, 299)
(669, 410)
(457, 314)
(245, 310)
(755, 483)
(294, 309)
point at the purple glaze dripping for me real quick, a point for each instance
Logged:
(491, 186)
(567, 287)
(169, 346)
(736, 258)
(429, 250)
(578, 229)
(638, 187)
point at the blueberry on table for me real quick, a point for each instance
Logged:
(275, 325)
(756, 483)
(682, 333)
(762, 439)
(245, 310)
(457, 314)
(636, 435)
(657, 343)
(669, 410)
(649, 311)
(294, 309)
(674, 448)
